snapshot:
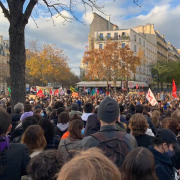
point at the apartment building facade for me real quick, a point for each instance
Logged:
(4, 64)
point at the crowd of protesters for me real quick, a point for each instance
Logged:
(114, 137)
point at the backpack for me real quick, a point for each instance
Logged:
(114, 148)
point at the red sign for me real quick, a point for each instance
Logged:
(137, 86)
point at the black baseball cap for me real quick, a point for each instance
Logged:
(168, 136)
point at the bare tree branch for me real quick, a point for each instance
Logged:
(136, 2)
(34, 21)
(29, 10)
(5, 11)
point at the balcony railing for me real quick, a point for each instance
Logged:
(112, 38)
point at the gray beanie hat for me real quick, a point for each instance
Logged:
(108, 110)
(75, 107)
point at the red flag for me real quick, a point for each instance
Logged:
(174, 89)
(50, 91)
(40, 93)
(97, 91)
(137, 86)
(84, 88)
(107, 93)
(56, 92)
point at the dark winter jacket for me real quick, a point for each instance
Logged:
(144, 140)
(164, 167)
(92, 125)
(14, 162)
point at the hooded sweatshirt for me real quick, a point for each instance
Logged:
(25, 115)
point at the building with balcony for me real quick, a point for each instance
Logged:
(173, 54)
(4, 64)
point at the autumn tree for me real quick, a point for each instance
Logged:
(48, 64)
(18, 13)
(111, 63)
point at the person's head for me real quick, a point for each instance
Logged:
(48, 128)
(38, 112)
(96, 109)
(121, 107)
(165, 142)
(157, 113)
(88, 108)
(139, 108)
(60, 110)
(108, 111)
(19, 108)
(8, 110)
(75, 107)
(172, 124)
(45, 165)
(131, 107)
(176, 115)
(63, 118)
(34, 138)
(155, 120)
(58, 104)
(135, 166)
(147, 108)
(5, 122)
(138, 124)
(75, 116)
(128, 116)
(31, 120)
(27, 108)
(75, 128)
(90, 165)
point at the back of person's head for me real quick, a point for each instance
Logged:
(176, 115)
(96, 109)
(168, 113)
(46, 165)
(58, 104)
(63, 118)
(128, 116)
(75, 116)
(121, 107)
(48, 128)
(139, 108)
(156, 112)
(138, 124)
(75, 128)
(34, 138)
(88, 108)
(155, 120)
(147, 108)
(90, 165)
(19, 108)
(5, 122)
(108, 110)
(75, 107)
(172, 124)
(60, 110)
(27, 108)
(131, 107)
(135, 166)
(37, 111)
(31, 120)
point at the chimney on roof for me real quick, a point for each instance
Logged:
(163, 36)
(157, 32)
(108, 26)
(115, 27)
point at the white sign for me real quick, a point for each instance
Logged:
(150, 97)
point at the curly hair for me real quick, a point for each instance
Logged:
(46, 165)
(138, 124)
(155, 120)
(171, 124)
(34, 138)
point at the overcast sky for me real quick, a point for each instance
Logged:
(72, 37)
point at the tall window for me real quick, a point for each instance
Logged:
(144, 44)
(101, 35)
(123, 33)
(100, 46)
(108, 35)
(134, 37)
(115, 35)
(123, 45)
(134, 48)
(139, 40)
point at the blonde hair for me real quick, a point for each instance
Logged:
(90, 165)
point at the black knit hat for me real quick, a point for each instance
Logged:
(108, 110)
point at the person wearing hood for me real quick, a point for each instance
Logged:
(75, 110)
(63, 123)
(92, 125)
(27, 112)
(163, 149)
(88, 110)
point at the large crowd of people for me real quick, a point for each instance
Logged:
(90, 137)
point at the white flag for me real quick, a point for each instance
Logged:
(150, 97)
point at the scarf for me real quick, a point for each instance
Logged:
(4, 142)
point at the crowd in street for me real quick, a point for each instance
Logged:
(90, 137)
